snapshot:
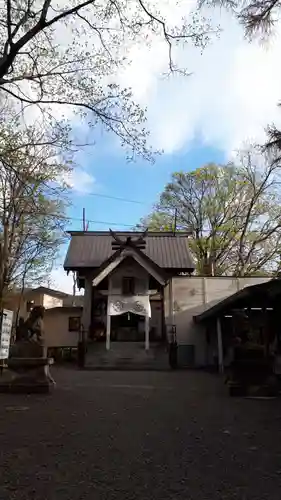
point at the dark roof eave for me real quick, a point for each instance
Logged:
(246, 292)
(173, 270)
(219, 307)
(149, 233)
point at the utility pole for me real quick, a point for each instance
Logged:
(85, 223)
(175, 221)
(84, 220)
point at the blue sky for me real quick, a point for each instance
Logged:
(202, 118)
(140, 181)
(110, 175)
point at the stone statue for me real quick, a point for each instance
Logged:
(28, 363)
(33, 329)
(30, 336)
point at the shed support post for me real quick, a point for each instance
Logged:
(220, 346)
(108, 317)
(171, 318)
(146, 332)
(171, 305)
(87, 307)
(108, 328)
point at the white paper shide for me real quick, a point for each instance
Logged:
(138, 304)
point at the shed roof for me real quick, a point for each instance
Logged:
(49, 291)
(266, 291)
(40, 289)
(91, 249)
(64, 309)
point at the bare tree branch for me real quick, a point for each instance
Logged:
(32, 201)
(39, 69)
(234, 212)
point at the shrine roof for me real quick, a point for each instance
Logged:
(90, 249)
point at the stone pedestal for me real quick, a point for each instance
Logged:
(28, 370)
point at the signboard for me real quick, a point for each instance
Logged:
(74, 324)
(5, 335)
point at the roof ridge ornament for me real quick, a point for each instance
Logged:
(118, 243)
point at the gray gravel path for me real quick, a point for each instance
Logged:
(139, 435)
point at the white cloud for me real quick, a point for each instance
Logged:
(230, 98)
(80, 181)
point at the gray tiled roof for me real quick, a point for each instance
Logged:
(91, 249)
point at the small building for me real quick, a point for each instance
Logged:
(139, 290)
(128, 284)
(21, 302)
(62, 313)
(251, 316)
(62, 326)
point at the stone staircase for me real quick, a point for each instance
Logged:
(127, 356)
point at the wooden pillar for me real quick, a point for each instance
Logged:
(171, 302)
(220, 346)
(204, 293)
(108, 328)
(163, 315)
(108, 317)
(146, 332)
(87, 306)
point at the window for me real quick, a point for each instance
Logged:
(74, 324)
(128, 286)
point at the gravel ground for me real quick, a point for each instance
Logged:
(139, 435)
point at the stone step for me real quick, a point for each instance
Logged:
(127, 355)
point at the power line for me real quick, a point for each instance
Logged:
(99, 222)
(117, 198)
(80, 219)
(127, 200)
(61, 230)
(99, 195)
